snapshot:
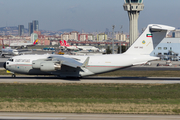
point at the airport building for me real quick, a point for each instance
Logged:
(167, 46)
(176, 34)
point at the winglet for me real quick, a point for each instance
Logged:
(85, 64)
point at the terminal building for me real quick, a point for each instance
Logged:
(168, 48)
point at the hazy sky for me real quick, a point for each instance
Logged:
(89, 15)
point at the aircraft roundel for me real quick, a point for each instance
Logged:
(143, 42)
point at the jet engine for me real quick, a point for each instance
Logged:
(44, 65)
(37, 63)
(49, 66)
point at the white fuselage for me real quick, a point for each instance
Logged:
(21, 44)
(88, 48)
(96, 64)
(9, 51)
(72, 47)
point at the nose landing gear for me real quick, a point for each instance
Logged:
(13, 75)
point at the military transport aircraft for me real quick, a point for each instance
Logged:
(79, 66)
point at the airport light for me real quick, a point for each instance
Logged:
(113, 39)
(120, 40)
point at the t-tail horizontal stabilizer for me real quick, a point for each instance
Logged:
(149, 39)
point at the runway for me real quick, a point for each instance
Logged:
(74, 116)
(41, 79)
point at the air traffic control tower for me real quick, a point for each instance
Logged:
(133, 7)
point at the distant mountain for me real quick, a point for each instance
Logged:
(8, 28)
(13, 30)
(67, 30)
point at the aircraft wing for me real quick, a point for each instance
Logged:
(67, 61)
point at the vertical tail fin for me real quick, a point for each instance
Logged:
(62, 44)
(149, 39)
(66, 44)
(35, 42)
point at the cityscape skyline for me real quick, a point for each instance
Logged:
(90, 16)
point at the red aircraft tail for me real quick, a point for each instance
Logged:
(62, 44)
(3, 44)
(66, 44)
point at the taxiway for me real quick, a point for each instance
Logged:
(74, 116)
(95, 79)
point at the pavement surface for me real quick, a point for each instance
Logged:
(41, 79)
(73, 116)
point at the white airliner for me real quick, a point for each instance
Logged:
(8, 51)
(85, 48)
(92, 48)
(24, 44)
(69, 47)
(79, 66)
(34, 41)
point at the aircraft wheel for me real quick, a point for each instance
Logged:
(13, 75)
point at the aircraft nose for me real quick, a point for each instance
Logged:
(4, 65)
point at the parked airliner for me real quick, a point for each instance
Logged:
(8, 51)
(86, 48)
(79, 66)
(24, 44)
(69, 47)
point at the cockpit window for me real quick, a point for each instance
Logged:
(10, 59)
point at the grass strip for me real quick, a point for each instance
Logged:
(90, 90)
(89, 107)
(90, 98)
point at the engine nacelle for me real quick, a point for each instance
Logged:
(49, 66)
(36, 64)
